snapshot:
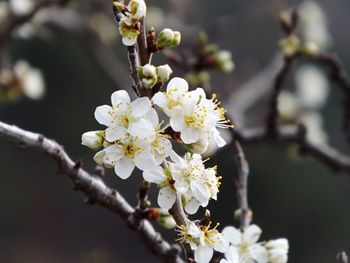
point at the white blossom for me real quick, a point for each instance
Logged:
(167, 193)
(288, 104)
(30, 79)
(312, 87)
(125, 154)
(191, 113)
(22, 7)
(196, 183)
(137, 9)
(164, 72)
(314, 24)
(244, 247)
(125, 117)
(278, 250)
(203, 240)
(92, 139)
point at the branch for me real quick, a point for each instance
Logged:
(243, 174)
(18, 20)
(342, 257)
(297, 134)
(94, 188)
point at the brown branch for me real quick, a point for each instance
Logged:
(93, 187)
(243, 173)
(296, 134)
(18, 20)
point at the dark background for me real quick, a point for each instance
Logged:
(43, 220)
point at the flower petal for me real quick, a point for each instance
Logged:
(232, 255)
(218, 139)
(232, 235)
(140, 106)
(152, 117)
(113, 134)
(145, 161)
(178, 83)
(160, 99)
(259, 253)
(124, 167)
(103, 115)
(190, 135)
(141, 128)
(203, 254)
(155, 175)
(166, 197)
(120, 96)
(192, 206)
(251, 234)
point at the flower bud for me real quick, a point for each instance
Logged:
(137, 9)
(165, 219)
(164, 72)
(147, 75)
(92, 139)
(224, 61)
(168, 38)
(165, 37)
(200, 146)
(176, 39)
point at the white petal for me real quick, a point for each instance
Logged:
(251, 234)
(145, 161)
(259, 253)
(190, 135)
(232, 255)
(120, 96)
(201, 192)
(192, 206)
(113, 134)
(160, 99)
(141, 128)
(152, 117)
(155, 175)
(140, 106)
(124, 167)
(203, 254)
(221, 245)
(280, 243)
(177, 122)
(232, 235)
(166, 197)
(113, 154)
(178, 83)
(218, 139)
(129, 41)
(103, 116)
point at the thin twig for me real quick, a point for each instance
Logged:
(93, 187)
(243, 173)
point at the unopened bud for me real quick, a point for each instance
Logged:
(164, 72)
(147, 75)
(224, 61)
(165, 219)
(92, 139)
(168, 38)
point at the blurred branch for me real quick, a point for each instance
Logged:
(93, 187)
(243, 173)
(18, 20)
(297, 134)
(342, 257)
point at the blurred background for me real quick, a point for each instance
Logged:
(43, 220)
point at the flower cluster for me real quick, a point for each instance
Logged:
(203, 240)
(23, 79)
(191, 113)
(134, 136)
(186, 177)
(243, 247)
(129, 22)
